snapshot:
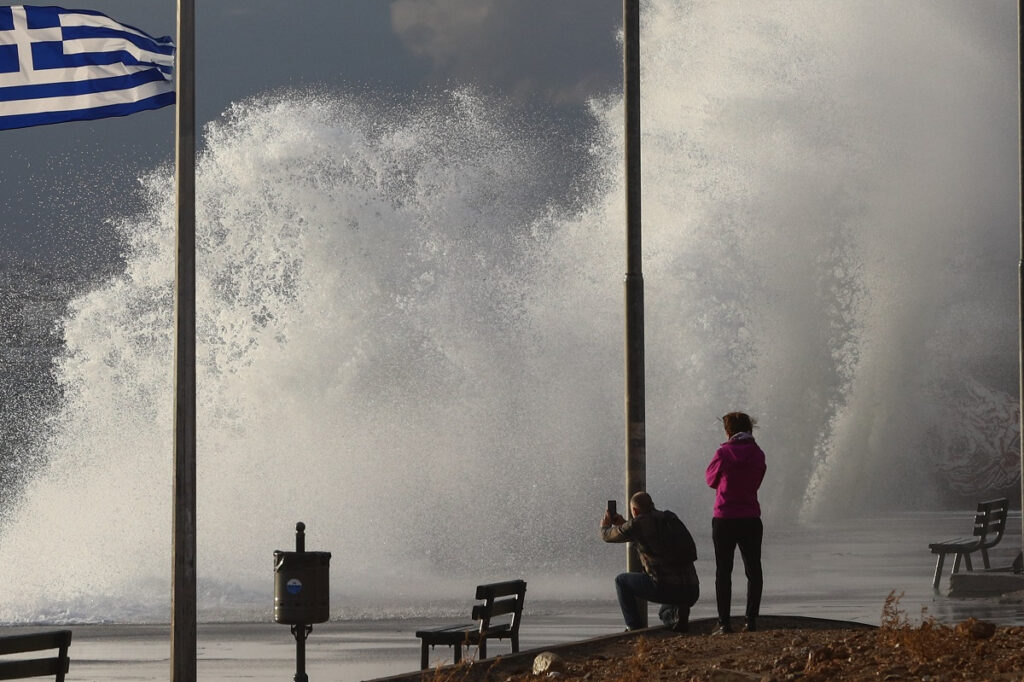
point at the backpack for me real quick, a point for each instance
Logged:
(676, 536)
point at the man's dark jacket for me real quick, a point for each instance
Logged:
(665, 546)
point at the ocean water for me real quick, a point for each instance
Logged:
(411, 342)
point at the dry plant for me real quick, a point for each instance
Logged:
(929, 641)
(452, 673)
(638, 662)
(461, 670)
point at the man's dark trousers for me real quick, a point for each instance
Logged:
(630, 586)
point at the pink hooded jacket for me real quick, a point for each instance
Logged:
(736, 472)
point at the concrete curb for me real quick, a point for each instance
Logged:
(991, 583)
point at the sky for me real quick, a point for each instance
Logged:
(61, 182)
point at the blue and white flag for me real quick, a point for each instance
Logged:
(60, 65)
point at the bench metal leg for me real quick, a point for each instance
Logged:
(956, 563)
(984, 557)
(967, 560)
(515, 643)
(938, 570)
(482, 648)
(63, 654)
(424, 656)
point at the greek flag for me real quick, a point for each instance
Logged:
(60, 65)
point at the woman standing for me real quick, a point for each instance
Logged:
(736, 472)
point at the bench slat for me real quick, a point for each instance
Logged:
(35, 641)
(988, 528)
(452, 638)
(498, 608)
(33, 667)
(468, 627)
(990, 520)
(468, 634)
(953, 545)
(499, 631)
(495, 590)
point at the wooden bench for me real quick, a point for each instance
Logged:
(478, 633)
(989, 525)
(36, 667)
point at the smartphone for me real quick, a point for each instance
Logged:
(611, 507)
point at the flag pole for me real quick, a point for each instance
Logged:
(636, 429)
(1020, 267)
(183, 589)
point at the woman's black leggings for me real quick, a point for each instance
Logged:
(727, 534)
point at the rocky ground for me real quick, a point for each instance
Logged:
(972, 652)
(785, 648)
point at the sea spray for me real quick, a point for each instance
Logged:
(408, 342)
(364, 292)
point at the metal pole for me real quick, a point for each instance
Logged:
(636, 429)
(183, 595)
(300, 632)
(300, 653)
(1020, 268)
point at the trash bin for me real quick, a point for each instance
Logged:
(302, 593)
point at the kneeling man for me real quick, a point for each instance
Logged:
(667, 552)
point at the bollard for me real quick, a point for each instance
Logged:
(301, 593)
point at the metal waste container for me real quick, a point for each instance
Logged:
(302, 593)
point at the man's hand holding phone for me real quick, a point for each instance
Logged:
(611, 516)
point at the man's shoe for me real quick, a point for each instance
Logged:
(750, 626)
(669, 614)
(722, 629)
